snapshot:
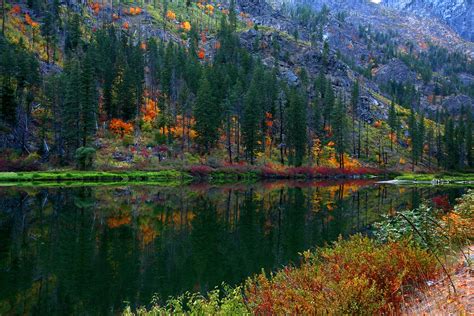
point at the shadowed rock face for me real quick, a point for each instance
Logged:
(459, 14)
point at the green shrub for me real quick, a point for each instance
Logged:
(127, 140)
(229, 301)
(85, 158)
(160, 139)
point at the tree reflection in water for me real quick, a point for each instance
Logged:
(90, 249)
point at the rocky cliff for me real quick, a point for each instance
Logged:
(459, 14)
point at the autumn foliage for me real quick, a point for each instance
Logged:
(149, 110)
(30, 22)
(355, 276)
(170, 15)
(186, 26)
(16, 9)
(121, 128)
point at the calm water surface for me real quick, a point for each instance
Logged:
(88, 250)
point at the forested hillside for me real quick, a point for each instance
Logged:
(157, 84)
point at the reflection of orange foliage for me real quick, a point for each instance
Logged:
(393, 137)
(402, 161)
(217, 45)
(170, 15)
(378, 124)
(149, 110)
(143, 46)
(331, 144)
(29, 21)
(114, 222)
(186, 26)
(148, 233)
(119, 127)
(126, 25)
(203, 37)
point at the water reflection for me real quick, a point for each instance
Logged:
(89, 249)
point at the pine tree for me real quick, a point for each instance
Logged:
(450, 160)
(207, 114)
(8, 103)
(328, 101)
(392, 122)
(468, 143)
(355, 109)
(296, 122)
(339, 127)
(88, 99)
(73, 34)
(413, 131)
(251, 131)
(421, 137)
(48, 29)
(72, 106)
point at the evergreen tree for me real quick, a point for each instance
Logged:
(48, 29)
(297, 134)
(392, 122)
(72, 106)
(355, 109)
(413, 131)
(88, 99)
(251, 131)
(468, 143)
(207, 114)
(8, 103)
(339, 127)
(450, 159)
(421, 137)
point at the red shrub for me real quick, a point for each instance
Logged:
(442, 202)
(201, 171)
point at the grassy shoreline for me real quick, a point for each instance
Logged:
(186, 175)
(436, 177)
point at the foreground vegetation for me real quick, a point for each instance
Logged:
(353, 276)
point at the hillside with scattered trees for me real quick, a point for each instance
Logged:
(146, 85)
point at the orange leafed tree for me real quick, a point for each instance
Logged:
(16, 9)
(378, 124)
(119, 127)
(30, 21)
(201, 54)
(149, 110)
(186, 26)
(170, 15)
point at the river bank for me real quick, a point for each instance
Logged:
(189, 174)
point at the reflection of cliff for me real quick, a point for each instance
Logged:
(102, 246)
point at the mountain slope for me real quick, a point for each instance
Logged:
(459, 14)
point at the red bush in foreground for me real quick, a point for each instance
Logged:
(355, 276)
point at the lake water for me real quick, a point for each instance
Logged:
(88, 250)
